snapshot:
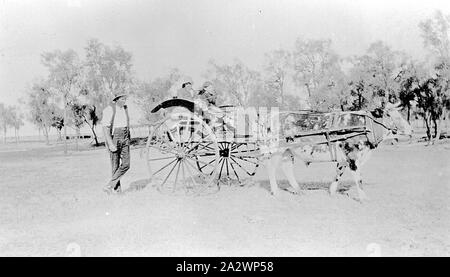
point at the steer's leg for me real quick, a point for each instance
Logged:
(340, 169)
(363, 157)
(288, 170)
(271, 166)
(357, 177)
(355, 169)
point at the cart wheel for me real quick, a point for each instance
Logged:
(174, 149)
(237, 161)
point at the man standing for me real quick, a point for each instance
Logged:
(116, 124)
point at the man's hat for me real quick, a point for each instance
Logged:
(185, 80)
(185, 84)
(206, 84)
(118, 95)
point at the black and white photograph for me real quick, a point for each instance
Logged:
(225, 128)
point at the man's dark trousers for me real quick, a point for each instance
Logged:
(120, 160)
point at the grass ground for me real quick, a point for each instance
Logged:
(52, 205)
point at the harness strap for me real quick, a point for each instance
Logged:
(113, 117)
(330, 148)
(379, 123)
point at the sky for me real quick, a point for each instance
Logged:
(187, 33)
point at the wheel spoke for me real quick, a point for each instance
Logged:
(247, 160)
(235, 146)
(248, 173)
(176, 177)
(220, 160)
(206, 147)
(192, 178)
(224, 145)
(166, 150)
(170, 135)
(234, 170)
(207, 164)
(168, 175)
(190, 137)
(158, 159)
(195, 168)
(249, 151)
(220, 172)
(245, 157)
(197, 160)
(182, 171)
(207, 154)
(202, 145)
(228, 171)
(164, 167)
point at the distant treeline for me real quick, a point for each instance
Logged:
(311, 75)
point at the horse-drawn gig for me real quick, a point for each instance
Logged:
(195, 147)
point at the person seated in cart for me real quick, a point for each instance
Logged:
(207, 99)
(208, 93)
(186, 91)
(207, 104)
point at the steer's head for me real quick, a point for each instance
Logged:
(389, 123)
(394, 119)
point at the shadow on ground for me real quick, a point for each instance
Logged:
(137, 185)
(343, 187)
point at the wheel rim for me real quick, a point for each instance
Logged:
(175, 148)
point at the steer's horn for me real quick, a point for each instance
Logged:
(395, 106)
(398, 106)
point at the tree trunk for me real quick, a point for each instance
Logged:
(65, 123)
(428, 127)
(409, 113)
(15, 135)
(92, 127)
(4, 134)
(438, 125)
(95, 135)
(309, 90)
(359, 101)
(77, 136)
(282, 94)
(45, 131)
(435, 130)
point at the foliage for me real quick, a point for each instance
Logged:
(149, 94)
(43, 110)
(235, 83)
(317, 69)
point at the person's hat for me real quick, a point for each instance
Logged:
(206, 84)
(118, 95)
(185, 84)
(185, 80)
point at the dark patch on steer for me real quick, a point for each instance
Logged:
(352, 164)
(377, 113)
